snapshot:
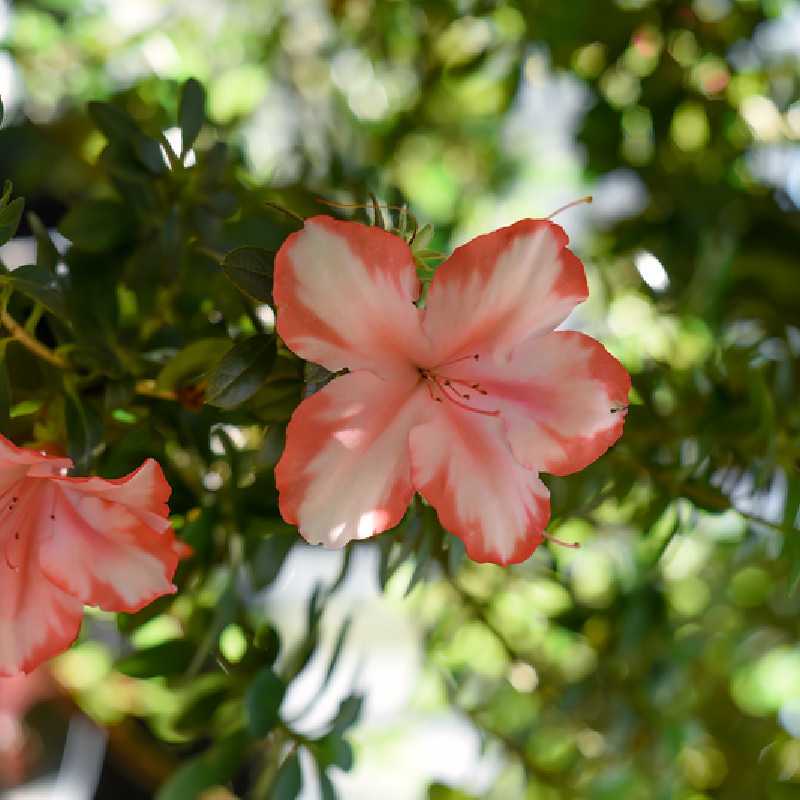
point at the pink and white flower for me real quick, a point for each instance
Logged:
(66, 542)
(464, 401)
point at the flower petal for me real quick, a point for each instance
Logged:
(562, 397)
(345, 472)
(37, 619)
(15, 462)
(463, 467)
(501, 288)
(108, 543)
(345, 296)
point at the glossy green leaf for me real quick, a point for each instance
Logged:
(190, 363)
(191, 112)
(97, 225)
(84, 430)
(46, 254)
(333, 750)
(10, 216)
(288, 781)
(168, 658)
(5, 389)
(251, 269)
(41, 285)
(263, 701)
(241, 372)
(213, 768)
(348, 714)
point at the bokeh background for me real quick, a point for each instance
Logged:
(662, 658)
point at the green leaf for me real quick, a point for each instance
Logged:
(430, 530)
(168, 658)
(250, 269)
(84, 431)
(189, 364)
(268, 641)
(263, 701)
(9, 219)
(269, 557)
(5, 388)
(241, 372)
(456, 553)
(200, 703)
(348, 714)
(97, 225)
(123, 133)
(149, 152)
(41, 285)
(327, 791)
(332, 750)
(117, 125)
(191, 113)
(2, 111)
(46, 254)
(272, 446)
(288, 781)
(214, 767)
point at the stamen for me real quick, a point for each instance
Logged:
(458, 402)
(556, 540)
(428, 383)
(618, 409)
(587, 200)
(475, 386)
(473, 357)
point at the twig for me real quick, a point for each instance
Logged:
(30, 343)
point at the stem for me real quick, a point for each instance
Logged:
(267, 777)
(29, 342)
(286, 211)
(147, 388)
(175, 163)
(214, 255)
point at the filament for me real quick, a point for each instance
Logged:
(583, 200)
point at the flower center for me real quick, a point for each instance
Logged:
(443, 387)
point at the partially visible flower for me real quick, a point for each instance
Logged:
(66, 542)
(17, 749)
(465, 400)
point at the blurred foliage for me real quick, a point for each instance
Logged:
(662, 659)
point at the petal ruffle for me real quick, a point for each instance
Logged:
(16, 462)
(562, 398)
(345, 296)
(501, 288)
(109, 543)
(345, 473)
(462, 465)
(37, 619)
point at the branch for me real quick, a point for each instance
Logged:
(30, 343)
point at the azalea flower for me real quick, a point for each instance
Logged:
(17, 749)
(464, 401)
(66, 542)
